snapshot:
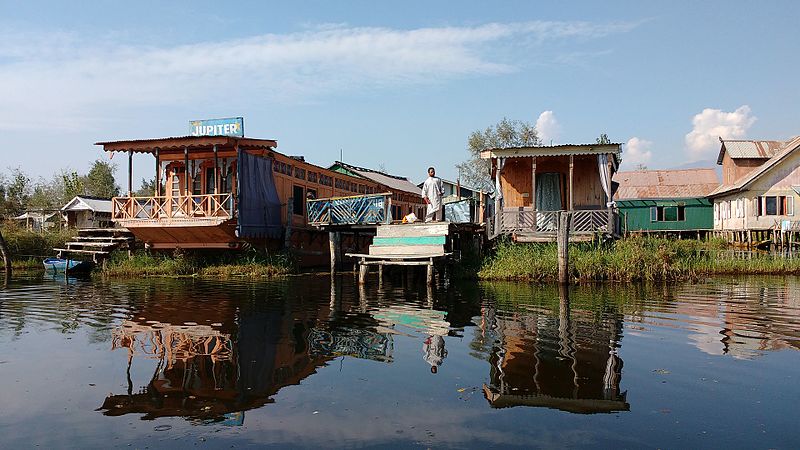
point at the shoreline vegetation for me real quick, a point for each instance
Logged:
(632, 259)
(625, 260)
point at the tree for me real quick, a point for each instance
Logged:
(72, 184)
(147, 189)
(603, 139)
(476, 172)
(17, 194)
(99, 182)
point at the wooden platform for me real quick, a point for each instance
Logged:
(418, 244)
(97, 243)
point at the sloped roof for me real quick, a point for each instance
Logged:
(84, 203)
(393, 182)
(787, 149)
(555, 150)
(742, 149)
(656, 184)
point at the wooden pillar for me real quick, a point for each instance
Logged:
(6, 255)
(216, 170)
(429, 278)
(498, 210)
(380, 273)
(533, 183)
(158, 173)
(186, 171)
(609, 167)
(333, 245)
(287, 238)
(362, 271)
(562, 240)
(130, 173)
(571, 164)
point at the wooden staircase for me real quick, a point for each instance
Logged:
(97, 243)
(422, 240)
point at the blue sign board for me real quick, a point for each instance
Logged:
(232, 126)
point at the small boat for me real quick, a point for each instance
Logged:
(60, 265)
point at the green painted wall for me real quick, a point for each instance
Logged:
(636, 215)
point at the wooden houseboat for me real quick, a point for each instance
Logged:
(222, 191)
(534, 183)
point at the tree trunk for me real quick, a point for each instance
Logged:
(6, 255)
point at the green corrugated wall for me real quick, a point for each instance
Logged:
(635, 214)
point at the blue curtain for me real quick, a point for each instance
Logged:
(548, 191)
(259, 205)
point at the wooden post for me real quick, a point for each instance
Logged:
(216, 170)
(158, 173)
(287, 239)
(186, 170)
(609, 167)
(362, 271)
(563, 246)
(380, 273)
(533, 191)
(429, 278)
(130, 173)
(333, 245)
(571, 164)
(6, 255)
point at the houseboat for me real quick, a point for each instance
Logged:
(534, 183)
(222, 191)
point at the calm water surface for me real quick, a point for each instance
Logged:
(304, 362)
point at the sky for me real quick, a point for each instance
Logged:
(399, 85)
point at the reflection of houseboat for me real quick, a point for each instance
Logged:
(220, 191)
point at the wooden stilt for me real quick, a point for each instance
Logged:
(363, 268)
(380, 273)
(429, 277)
(563, 246)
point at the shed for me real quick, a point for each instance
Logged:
(666, 200)
(88, 212)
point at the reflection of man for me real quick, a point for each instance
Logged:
(435, 353)
(432, 192)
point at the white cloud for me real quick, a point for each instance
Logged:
(548, 127)
(69, 80)
(637, 151)
(710, 125)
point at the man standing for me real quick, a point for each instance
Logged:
(432, 192)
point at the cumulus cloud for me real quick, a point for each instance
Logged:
(548, 127)
(81, 79)
(711, 124)
(637, 151)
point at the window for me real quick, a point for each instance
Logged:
(312, 177)
(300, 173)
(197, 183)
(668, 213)
(298, 201)
(775, 205)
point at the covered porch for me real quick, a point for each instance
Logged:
(534, 184)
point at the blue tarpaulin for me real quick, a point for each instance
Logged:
(460, 211)
(259, 206)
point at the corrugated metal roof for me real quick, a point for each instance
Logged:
(656, 184)
(393, 182)
(175, 142)
(555, 150)
(738, 149)
(790, 147)
(80, 203)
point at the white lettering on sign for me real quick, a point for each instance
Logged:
(220, 129)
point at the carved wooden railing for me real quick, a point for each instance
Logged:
(220, 206)
(358, 209)
(528, 220)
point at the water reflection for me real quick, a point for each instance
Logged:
(553, 355)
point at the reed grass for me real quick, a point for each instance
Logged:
(25, 245)
(248, 264)
(631, 259)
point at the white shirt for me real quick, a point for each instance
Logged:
(433, 190)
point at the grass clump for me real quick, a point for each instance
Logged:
(250, 264)
(631, 259)
(25, 245)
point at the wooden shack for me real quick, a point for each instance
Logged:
(665, 201)
(534, 183)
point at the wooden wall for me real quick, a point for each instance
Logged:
(587, 191)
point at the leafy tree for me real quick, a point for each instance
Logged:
(17, 194)
(476, 172)
(72, 184)
(99, 182)
(147, 189)
(44, 195)
(603, 139)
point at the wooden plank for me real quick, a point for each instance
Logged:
(416, 250)
(421, 229)
(93, 252)
(409, 240)
(393, 257)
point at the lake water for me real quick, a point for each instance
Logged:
(304, 362)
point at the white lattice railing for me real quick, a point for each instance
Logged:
(219, 206)
(528, 220)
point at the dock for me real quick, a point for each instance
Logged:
(96, 243)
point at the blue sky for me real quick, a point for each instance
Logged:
(400, 85)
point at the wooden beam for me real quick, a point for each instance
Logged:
(216, 170)
(158, 173)
(186, 170)
(130, 173)
(533, 183)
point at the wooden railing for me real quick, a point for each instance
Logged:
(358, 209)
(220, 206)
(528, 220)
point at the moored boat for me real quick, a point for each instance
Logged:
(61, 264)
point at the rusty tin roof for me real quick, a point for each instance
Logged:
(656, 184)
(738, 149)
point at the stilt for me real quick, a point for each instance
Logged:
(362, 271)
(380, 273)
(563, 246)
(430, 272)
(333, 246)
